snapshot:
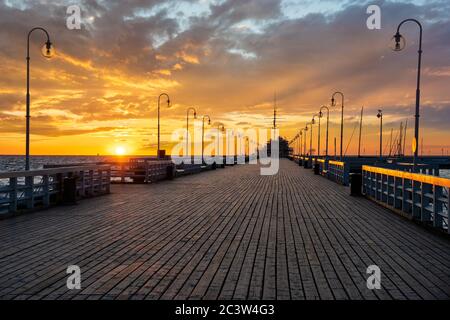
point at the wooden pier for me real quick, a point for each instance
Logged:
(223, 234)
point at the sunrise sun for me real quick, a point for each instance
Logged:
(120, 151)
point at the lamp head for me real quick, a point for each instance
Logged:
(333, 102)
(398, 42)
(320, 114)
(313, 121)
(48, 50)
(195, 114)
(209, 121)
(380, 114)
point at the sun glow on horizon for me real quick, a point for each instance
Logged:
(120, 151)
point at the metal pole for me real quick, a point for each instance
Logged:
(381, 136)
(168, 104)
(334, 148)
(304, 144)
(220, 128)
(27, 142)
(318, 140)
(188, 149)
(419, 65)
(326, 135)
(360, 132)
(301, 142)
(203, 133)
(342, 117)
(342, 125)
(28, 99)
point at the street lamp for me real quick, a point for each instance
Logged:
(380, 116)
(294, 142)
(300, 138)
(333, 103)
(304, 144)
(187, 129)
(168, 105)
(313, 121)
(47, 51)
(310, 138)
(399, 45)
(326, 136)
(203, 132)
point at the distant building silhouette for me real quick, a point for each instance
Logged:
(284, 148)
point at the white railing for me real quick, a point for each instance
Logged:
(420, 197)
(34, 189)
(141, 170)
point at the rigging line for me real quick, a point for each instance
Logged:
(351, 137)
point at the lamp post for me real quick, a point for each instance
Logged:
(48, 52)
(203, 132)
(300, 138)
(295, 143)
(326, 135)
(187, 129)
(380, 116)
(310, 139)
(168, 105)
(313, 121)
(304, 144)
(333, 103)
(399, 45)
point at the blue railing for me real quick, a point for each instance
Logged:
(418, 196)
(339, 172)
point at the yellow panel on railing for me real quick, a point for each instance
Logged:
(338, 163)
(408, 175)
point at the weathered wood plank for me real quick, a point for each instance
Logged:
(224, 234)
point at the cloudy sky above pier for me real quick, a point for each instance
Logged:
(227, 58)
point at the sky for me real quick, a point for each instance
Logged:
(226, 58)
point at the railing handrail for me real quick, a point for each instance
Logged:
(335, 162)
(41, 172)
(408, 175)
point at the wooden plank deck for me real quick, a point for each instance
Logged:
(224, 234)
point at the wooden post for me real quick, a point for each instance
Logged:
(108, 180)
(100, 179)
(82, 184)
(91, 182)
(13, 194)
(46, 199)
(437, 206)
(29, 191)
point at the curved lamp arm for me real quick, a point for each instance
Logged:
(191, 109)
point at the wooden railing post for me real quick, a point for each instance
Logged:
(46, 198)
(29, 186)
(108, 180)
(91, 182)
(13, 194)
(437, 206)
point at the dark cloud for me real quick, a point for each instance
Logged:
(226, 61)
